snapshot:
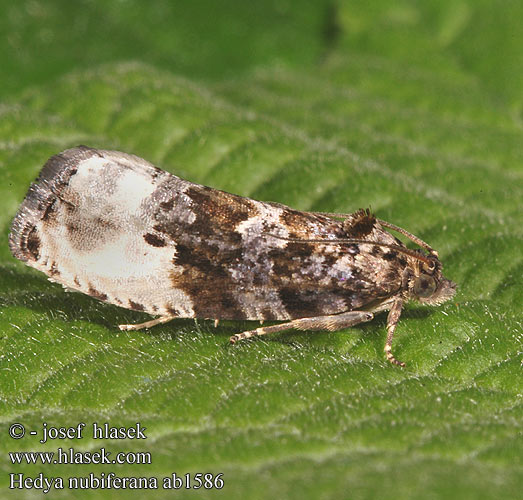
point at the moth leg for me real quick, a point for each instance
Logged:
(392, 321)
(216, 323)
(331, 323)
(147, 324)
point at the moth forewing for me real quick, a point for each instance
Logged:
(421, 274)
(121, 230)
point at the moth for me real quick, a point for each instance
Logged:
(125, 232)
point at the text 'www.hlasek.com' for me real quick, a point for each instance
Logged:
(93, 455)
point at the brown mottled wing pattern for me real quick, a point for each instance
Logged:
(229, 261)
(125, 232)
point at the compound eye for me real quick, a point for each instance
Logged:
(424, 286)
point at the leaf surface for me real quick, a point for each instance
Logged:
(411, 110)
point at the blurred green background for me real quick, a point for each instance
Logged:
(412, 108)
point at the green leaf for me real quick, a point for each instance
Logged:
(414, 110)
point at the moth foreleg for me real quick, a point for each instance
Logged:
(147, 324)
(331, 323)
(392, 321)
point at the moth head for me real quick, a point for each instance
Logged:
(428, 285)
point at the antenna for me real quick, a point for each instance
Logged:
(398, 229)
(350, 241)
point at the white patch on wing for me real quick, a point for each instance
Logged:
(342, 268)
(266, 221)
(131, 189)
(125, 188)
(88, 168)
(119, 263)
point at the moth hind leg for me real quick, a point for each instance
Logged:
(331, 323)
(147, 324)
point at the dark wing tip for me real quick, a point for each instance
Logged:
(42, 193)
(63, 165)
